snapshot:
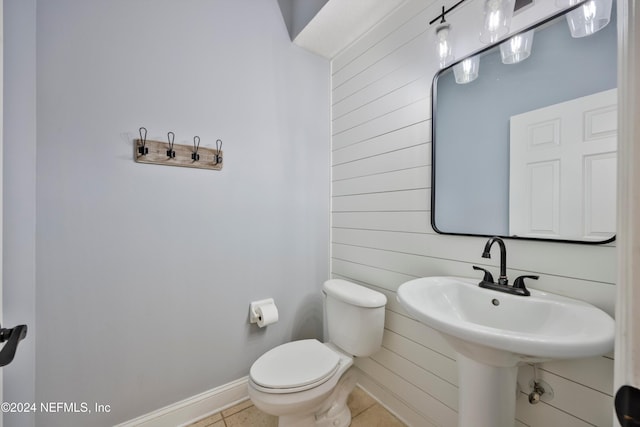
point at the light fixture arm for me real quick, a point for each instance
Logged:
(444, 12)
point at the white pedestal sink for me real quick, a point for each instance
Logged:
(493, 332)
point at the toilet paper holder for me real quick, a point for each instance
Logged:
(254, 316)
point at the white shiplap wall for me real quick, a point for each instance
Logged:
(381, 233)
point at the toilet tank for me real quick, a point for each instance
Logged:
(354, 316)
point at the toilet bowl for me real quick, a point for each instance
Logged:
(306, 383)
(308, 404)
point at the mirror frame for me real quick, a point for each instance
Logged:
(535, 25)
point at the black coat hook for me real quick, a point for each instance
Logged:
(170, 152)
(218, 156)
(143, 149)
(195, 156)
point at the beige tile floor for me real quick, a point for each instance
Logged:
(365, 412)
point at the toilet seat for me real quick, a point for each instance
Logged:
(294, 366)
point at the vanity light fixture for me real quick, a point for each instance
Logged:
(497, 19)
(589, 18)
(517, 48)
(467, 70)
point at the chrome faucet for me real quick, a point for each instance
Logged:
(518, 287)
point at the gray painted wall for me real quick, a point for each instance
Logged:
(144, 273)
(472, 132)
(19, 204)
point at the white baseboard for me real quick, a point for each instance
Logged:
(193, 408)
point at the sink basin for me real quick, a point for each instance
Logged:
(494, 332)
(539, 327)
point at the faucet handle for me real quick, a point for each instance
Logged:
(519, 283)
(487, 275)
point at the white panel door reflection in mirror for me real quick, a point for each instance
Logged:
(563, 170)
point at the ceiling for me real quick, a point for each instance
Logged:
(340, 22)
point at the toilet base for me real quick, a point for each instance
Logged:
(308, 420)
(337, 413)
(324, 406)
(333, 412)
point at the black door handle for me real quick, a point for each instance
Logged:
(12, 337)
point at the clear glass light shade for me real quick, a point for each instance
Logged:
(589, 18)
(467, 70)
(497, 19)
(444, 47)
(517, 48)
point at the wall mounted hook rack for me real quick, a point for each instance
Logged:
(170, 154)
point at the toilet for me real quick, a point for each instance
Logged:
(306, 383)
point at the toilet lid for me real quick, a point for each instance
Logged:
(295, 364)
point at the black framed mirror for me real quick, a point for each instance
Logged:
(528, 149)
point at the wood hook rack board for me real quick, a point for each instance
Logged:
(157, 155)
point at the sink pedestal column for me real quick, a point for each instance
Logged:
(487, 394)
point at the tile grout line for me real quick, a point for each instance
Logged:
(365, 409)
(224, 418)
